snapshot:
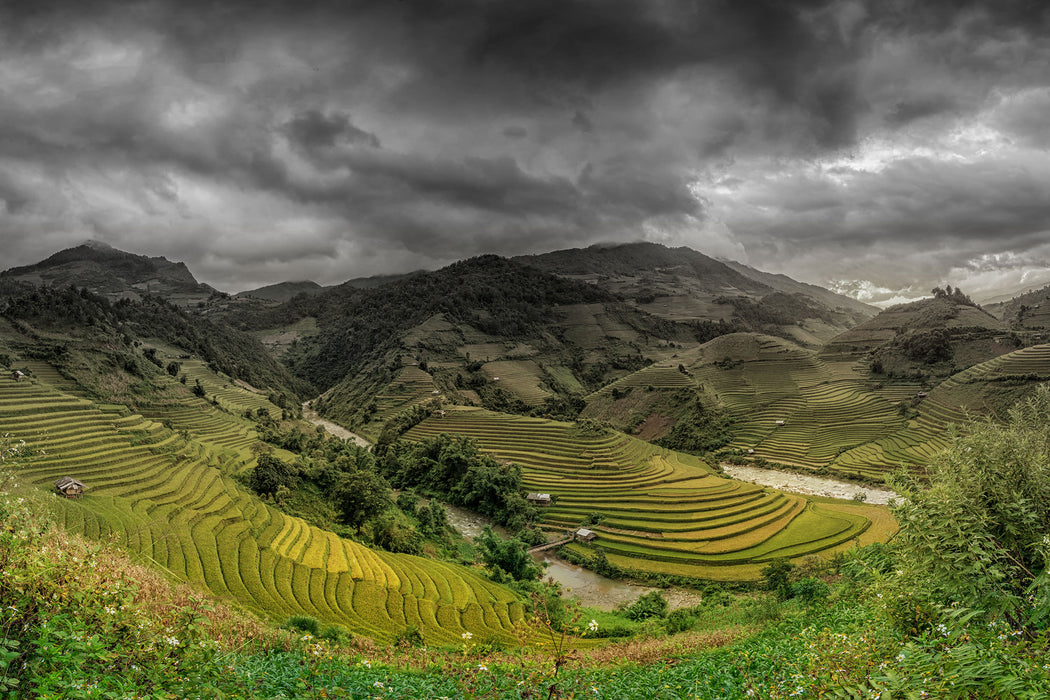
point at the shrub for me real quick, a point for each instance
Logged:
(976, 537)
(337, 634)
(409, 638)
(652, 604)
(407, 501)
(777, 577)
(680, 621)
(810, 590)
(304, 623)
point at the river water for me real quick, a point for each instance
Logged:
(593, 590)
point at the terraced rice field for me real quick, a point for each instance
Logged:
(658, 376)
(522, 378)
(984, 389)
(663, 511)
(824, 411)
(226, 392)
(590, 326)
(167, 499)
(412, 386)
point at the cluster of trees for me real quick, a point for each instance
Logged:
(929, 347)
(340, 486)
(454, 469)
(359, 326)
(955, 295)
(237, 354)
(700, 429)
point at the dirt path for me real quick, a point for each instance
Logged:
(805, 484)
(337, 430)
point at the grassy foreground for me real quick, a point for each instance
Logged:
(81, 621)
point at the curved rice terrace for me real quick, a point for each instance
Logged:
(167, 499)
(664, 512)
(657, 376)
(984, 388)
(226, 392)
(412, 386)
(790, 407)
(522, 378)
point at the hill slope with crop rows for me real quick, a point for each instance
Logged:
(660, 511)
(172, 501)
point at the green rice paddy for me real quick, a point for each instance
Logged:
(663, 511)
(171, 501)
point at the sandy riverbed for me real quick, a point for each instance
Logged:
(337, 430)
(806, 484)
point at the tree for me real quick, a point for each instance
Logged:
(174, 368)
(360, 496)
(507, 560)
(270, 474)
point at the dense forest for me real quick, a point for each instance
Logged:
(230, 351)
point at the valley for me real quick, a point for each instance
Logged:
(617, 405)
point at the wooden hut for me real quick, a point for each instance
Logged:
(17, 375)
(70, 487)
(780, 423)
(584, 535)
(539, 499)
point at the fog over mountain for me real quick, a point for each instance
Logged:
(876, 148)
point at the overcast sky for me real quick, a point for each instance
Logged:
(879, 147)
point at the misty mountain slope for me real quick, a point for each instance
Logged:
(683, 284)
(115, 274)
(926, 339)
(783, 283)
(486, 330)
(54, 323)
(282, 291)
(1026, 312)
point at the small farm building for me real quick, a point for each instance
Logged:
(70, 487)
(922, 394)
(539, 499)
(780, 422)
(17, 375)
(585, 535)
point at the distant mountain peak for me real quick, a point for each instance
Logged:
(97, 245)
(114, 273)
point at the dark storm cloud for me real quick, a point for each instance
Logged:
(312, 130)
(409, 133)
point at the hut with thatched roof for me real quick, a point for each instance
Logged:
(584, 535)
(70, 487)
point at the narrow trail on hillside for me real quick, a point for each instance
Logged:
(337, 430)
